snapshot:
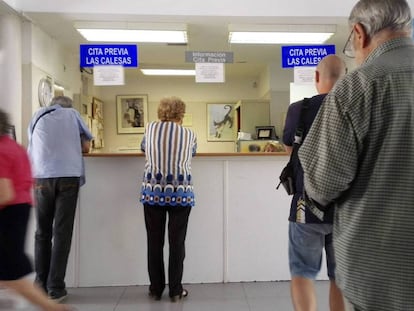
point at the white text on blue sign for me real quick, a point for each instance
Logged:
(114, 55)
(296, 56)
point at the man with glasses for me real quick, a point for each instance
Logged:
(359, 154)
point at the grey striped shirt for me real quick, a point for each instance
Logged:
(360, 153)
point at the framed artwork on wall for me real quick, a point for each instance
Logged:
(131, 113)
(221, 122)
(97, 123)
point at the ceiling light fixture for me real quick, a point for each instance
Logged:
(132, 32)
(280, 34)
(168, 72)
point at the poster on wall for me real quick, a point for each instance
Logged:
(221, 122)
(131, 113)
(97, 123)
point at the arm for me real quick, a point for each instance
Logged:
(291, 123)
(194, 151)
(143, 144)
(6, 191)
(85, 144)
(288, 149)
(329, 154)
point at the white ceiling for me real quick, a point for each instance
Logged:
(205, 33)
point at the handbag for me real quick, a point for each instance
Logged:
(287, 176)
(287, 179)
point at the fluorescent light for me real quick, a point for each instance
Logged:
(280, 34)
(278, 37)
(168, 72)
(132, 32)
(130, 35)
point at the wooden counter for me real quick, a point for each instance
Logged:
(228, 154)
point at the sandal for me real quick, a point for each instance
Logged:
(183, 294)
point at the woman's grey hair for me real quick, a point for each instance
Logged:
(376, 15)
(4, 123)
(63, 101)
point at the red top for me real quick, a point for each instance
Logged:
(15, 165)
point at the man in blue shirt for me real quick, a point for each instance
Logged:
(57, 138)
(308, 235)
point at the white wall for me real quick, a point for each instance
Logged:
(195, 95)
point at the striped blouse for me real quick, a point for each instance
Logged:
(167, 179)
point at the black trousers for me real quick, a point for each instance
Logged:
(14, 263)
(56, 200)
(155, 221)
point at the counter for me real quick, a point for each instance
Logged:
(238, 230)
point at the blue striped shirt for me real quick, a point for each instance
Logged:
(55, 142)
(167, 180)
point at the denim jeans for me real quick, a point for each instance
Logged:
(56, 200)
(306, 244)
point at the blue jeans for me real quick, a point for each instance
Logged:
(306, 244)
(56, 200)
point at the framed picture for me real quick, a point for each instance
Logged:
(97, 124)
(265, 132)
(131, 113)
(221, 122)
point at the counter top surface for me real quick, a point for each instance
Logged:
(225, 154)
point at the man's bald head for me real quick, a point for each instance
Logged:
(328, 71)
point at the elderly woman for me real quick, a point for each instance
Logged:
(167, 189)
(15, 203)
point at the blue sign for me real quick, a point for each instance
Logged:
(125, 55)
(305, 55)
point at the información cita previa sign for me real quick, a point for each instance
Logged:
(125, 55)
(305, 55)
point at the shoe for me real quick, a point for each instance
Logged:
(58, 296)
(178, 297)
(154, 296)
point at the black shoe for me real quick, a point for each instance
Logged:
(58, 295)
(178, 297)
(154, 296)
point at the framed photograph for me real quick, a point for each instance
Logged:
(97, 123)
(221, 122)
(265, 132)
(131, 113)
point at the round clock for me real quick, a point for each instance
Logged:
(45, 92)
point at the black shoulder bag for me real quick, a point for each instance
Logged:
(287, 176)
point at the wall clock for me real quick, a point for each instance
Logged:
(45, 92)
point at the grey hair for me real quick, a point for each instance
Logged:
(63, 101)
(376, 15)
(4, 123)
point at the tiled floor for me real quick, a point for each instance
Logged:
(256, 296)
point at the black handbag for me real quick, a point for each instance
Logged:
(287, 176)
(287, 179)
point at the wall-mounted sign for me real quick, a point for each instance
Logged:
(108, 75)
(209, 73)
(208, 57)
(304, 75)
(125, 55)
(302, 55)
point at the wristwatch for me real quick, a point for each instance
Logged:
(45, 92)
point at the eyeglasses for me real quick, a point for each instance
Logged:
(349, 48)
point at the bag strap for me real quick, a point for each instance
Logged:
(299, 131)
(37, 120)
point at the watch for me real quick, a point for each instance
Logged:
(45, 92)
